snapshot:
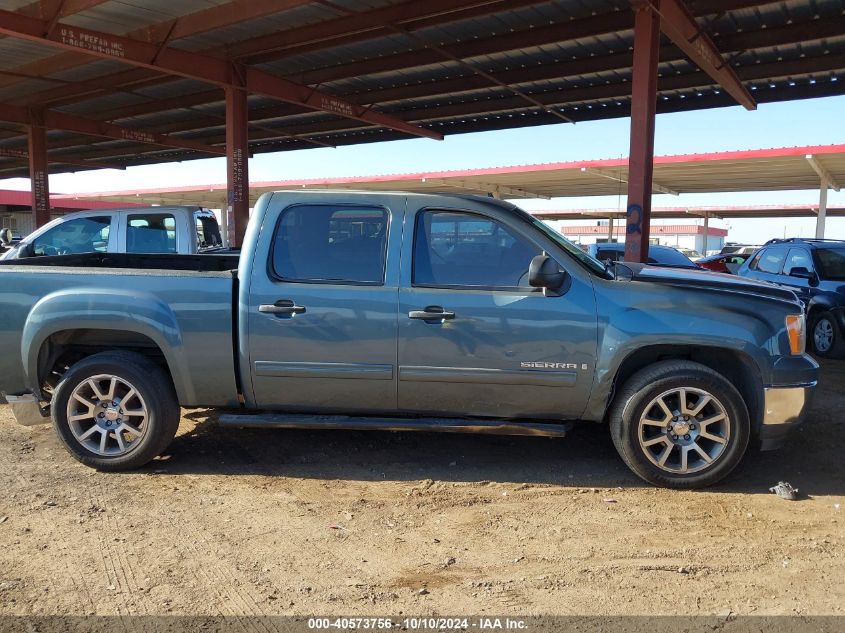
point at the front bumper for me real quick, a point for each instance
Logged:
(784, 409)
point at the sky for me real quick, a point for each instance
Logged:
(793, 123)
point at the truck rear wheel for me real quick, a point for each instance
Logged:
(679, 424)
(115, 411)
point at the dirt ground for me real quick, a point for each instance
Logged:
(247, 522)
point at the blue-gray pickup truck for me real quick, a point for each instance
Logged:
(400, 311)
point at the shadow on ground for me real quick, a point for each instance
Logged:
(586, 458)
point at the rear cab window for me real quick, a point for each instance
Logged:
(208, 230)
(330, 244)
(150, 233)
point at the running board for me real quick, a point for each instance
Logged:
(441, 425)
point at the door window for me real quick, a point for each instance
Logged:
(208, 231)
(339, 244)
(798, 258)
(769, 260)
(151, 233)
(464, 249)
(81, 235)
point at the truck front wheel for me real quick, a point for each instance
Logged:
(115, 411)
(679, 424)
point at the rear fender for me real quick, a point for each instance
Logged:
(93, 309)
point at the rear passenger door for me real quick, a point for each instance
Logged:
(322, 310)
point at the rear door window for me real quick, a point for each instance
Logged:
(798, 258)
(150, 233)
(335, 244)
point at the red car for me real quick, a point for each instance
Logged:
(723, 263)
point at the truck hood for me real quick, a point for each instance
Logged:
(704, 279)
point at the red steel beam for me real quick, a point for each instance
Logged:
(793, 33)
(561, 98)
(537, 36)
(67, 159)
(356, 27)
(213, 70)
(73, 123)
(38, 170)
(169, 30)
(343, 30)
(643, 110)
(237, 164)
(679, 24)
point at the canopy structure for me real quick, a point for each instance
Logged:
(778, 169)
(107, 83)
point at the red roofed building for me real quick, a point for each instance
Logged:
(685, 236)
(16, 209)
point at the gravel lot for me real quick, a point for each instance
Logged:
(247, 522)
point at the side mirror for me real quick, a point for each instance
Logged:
(802, 273)
(545, 273)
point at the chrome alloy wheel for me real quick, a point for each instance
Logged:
(823, 335)
(684, 430)
(107, 415)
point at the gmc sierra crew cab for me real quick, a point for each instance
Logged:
(395, 311)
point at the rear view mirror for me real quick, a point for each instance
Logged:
(545, 273)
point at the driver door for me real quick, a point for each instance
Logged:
(94, 233)
(474, 338)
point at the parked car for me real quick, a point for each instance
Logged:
(739, 249)
(728, 263)
(365, 310)
(815, 270)
(658, 255)
(8, 239)
(182, 230)
(693, 254)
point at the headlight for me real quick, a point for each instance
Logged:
(796, 330)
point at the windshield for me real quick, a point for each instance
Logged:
(589, 262)
(831, 263)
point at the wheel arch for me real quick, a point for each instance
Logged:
(734, 365)
(62, 326)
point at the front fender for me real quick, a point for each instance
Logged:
(633, 317)
(93, 309)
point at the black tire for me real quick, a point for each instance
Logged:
(639, 391)
(154, 387)
(836, 349)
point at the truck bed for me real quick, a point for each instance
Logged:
(182, 304)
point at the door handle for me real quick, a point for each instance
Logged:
(432, 313)
(283, 307)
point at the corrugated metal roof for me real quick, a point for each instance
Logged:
(572, 55)
(749, 170)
